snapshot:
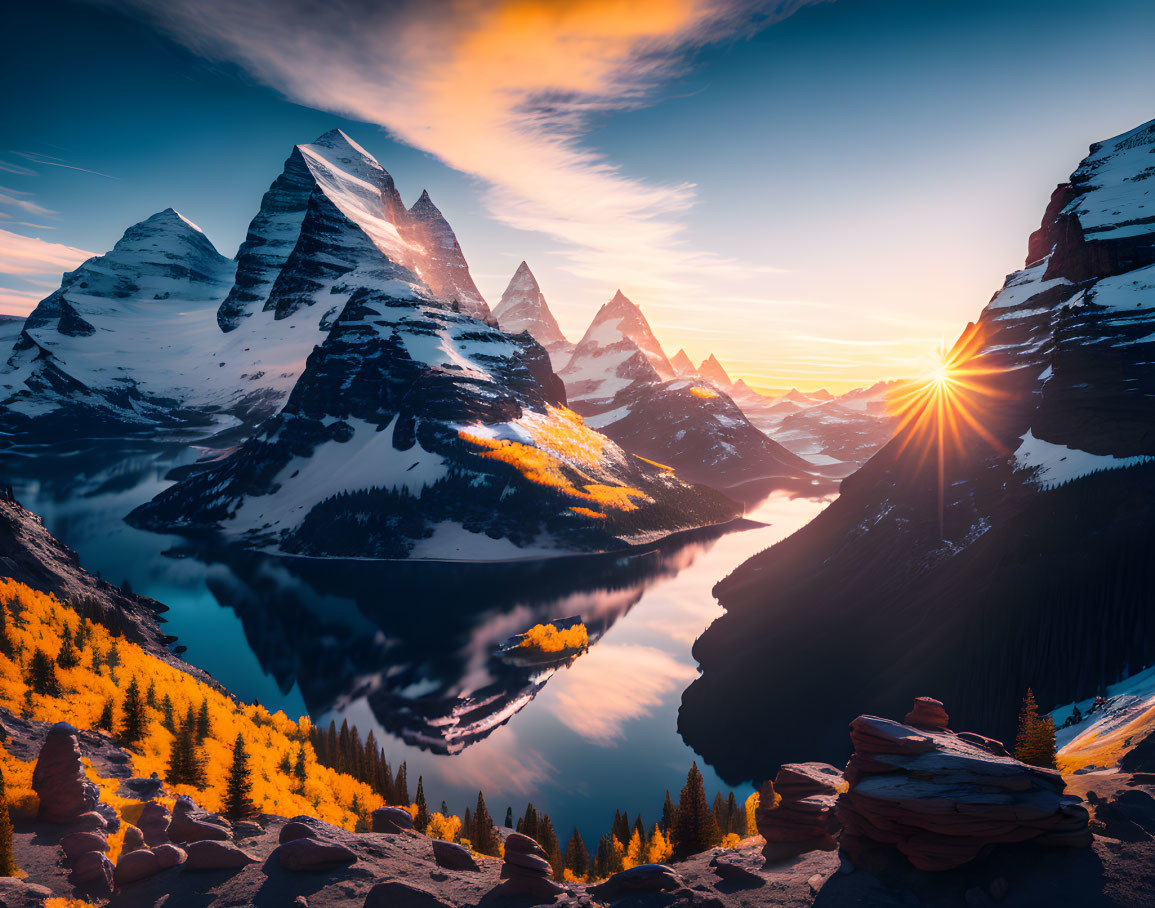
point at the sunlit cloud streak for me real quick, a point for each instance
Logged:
(32, 261)
(16, 199)
(504, 90)
(49, 161)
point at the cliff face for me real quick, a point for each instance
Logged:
(1022, 561)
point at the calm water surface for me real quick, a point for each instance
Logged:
(408, 650)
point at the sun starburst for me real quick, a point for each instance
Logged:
(951, 408)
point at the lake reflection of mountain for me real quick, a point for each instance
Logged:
(418, 639)
(406, 650)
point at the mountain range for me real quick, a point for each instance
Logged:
(1001, 540)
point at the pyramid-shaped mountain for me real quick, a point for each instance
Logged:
(127, 342)
(682, 364)
(523, 308)
(618, 378)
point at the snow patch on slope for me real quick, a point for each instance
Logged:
(1055, 464)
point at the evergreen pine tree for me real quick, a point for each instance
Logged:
(421, 821)
(401, 787)
(577, 856)
(113, 657)
(484, 838)
(238, 804)
(7, 859)
(299, 769)
(167, 719)
(286, 765)
(736, 817)
(1035, 740)
(444, 809)
(6, 646)
(105, 719)
(509, 818)
(640, 827)
(621, 827)
(42, 675)
(133, 729)
(467, 826)
(529, 823)
(719, 812)
(547, 838)
(604, 858)
(669, 815)
(68, 657)
(695, 830)
(150, 695)
(203, 727)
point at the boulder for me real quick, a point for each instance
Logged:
(803, 819)
(93, 871)
(213, 855)
(58, 778)
(640, 880)
(392, 820)
(137, 865)
(169, 855)
(942, 798)
(452, 856)
(89, 822)
(16, 893)
(295, 829)
(394, 894)
(191, 824)
(77, 843)
(246, 829)
(153, 823)
(133, 839)
(141, 789)
(526, 868)
(927, 713)
(313, 854)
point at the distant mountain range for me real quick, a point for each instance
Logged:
(1021, 558)
(383, 410)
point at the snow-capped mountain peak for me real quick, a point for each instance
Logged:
(523, 308)
(682, 363)
(621, 319)
(712, 371)
(439, 259)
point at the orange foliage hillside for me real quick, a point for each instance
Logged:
(36, 621)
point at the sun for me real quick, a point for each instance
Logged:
(950, 408)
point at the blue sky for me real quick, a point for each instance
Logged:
(819, 201)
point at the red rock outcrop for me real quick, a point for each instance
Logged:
(64, 791)
(942, 798)
(803, 818)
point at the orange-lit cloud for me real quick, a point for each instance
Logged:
(26, 260)
(504, 90)
(22, 255)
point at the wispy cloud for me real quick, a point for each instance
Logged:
(25, 255)
(14, 198)
(504, 90)
(9, 167)
(32, 265)
(49, 161)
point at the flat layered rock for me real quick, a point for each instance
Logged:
(943, 798)
(803, 819)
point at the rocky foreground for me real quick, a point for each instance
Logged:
(994, 831)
